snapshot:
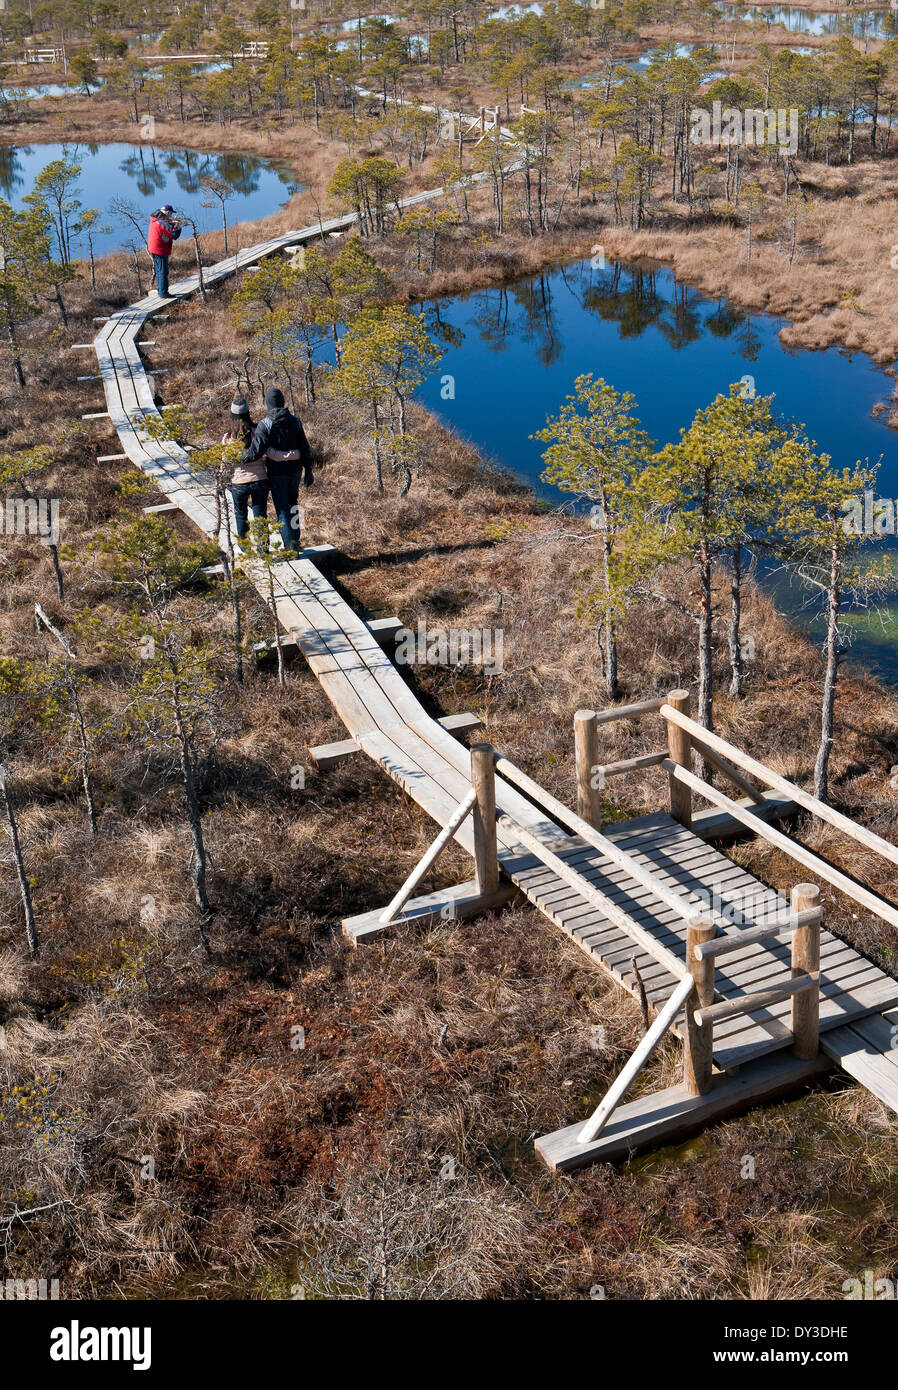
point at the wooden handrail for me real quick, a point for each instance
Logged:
(594, 895)
(886, 910)
(678, 902)
(751, 1002)
(609, 716)
(704, 737)
(734, 940)
(631, 764)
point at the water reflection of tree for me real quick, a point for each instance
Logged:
(630, 297)
(241, 171)
(524, 310)
(11, 176)
(539, 327)
(144, 173)
(627, 296)
(439, 328)
(684, 324)
(491, 315)
(750, 342)
(724, 321)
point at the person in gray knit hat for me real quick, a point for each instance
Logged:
(249, 485)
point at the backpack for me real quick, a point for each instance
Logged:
(284, 436)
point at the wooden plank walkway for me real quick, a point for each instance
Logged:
(850, 986)
(386, 721)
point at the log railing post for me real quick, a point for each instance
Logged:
(483, 780)
(698, 1039)
(586, 749)
(679, 745)
(806, 957)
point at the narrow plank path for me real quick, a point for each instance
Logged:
(384, 717)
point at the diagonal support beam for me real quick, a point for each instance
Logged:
(462, 810)
(616, 1092)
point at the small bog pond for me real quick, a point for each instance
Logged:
(644, 61)
(862, 23)
(15, 88)
(147, 175)
(513, 354)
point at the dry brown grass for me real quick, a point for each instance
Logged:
(157, 1050)
(841, 288)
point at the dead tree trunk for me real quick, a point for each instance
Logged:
(12, 830)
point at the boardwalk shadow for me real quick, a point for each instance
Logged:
(345, 564)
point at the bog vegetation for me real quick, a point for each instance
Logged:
(195, 1076)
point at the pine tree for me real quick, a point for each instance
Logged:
(386, 356)
(710, 487)
(821, 524)
(596, 451)
(173, 703)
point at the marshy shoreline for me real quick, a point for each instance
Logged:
(464, 1040)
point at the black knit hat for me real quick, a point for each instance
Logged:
(274, 398)
(239, 406)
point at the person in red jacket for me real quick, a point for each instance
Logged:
(164, 230)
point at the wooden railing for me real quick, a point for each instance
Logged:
(703, 948)
(43, 55)
(479, 802)
(697, 988)
(694, 990)
(734, 763)
(704, 1007)
(753, 778)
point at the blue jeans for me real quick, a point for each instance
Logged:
(285, 496)
(248, 495)
(160, 264)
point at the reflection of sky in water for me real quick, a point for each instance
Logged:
(642, 64)
(13, 90)
(147, 176)
(32, 92)
(869, 23)
(672, 345)
(514, 11)
(353, 24)
(514, 353)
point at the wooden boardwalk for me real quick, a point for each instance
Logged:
(386, 721)
(851, 986)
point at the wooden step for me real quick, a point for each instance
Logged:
(714, 824)
(453, 904)
(867, 1049)
(671, 1115)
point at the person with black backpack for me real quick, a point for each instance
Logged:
(280, 440)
